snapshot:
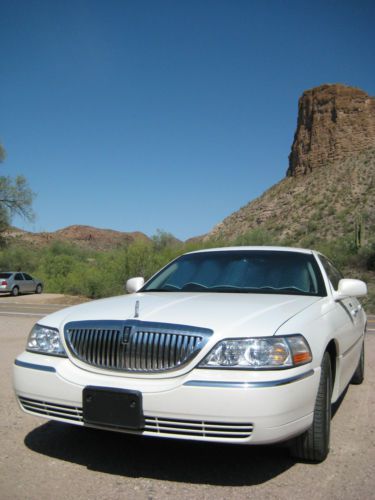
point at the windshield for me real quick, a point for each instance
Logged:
(241, 271)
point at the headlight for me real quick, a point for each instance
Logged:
(45, 340)
(259, 353)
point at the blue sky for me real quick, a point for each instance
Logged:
(170, 114)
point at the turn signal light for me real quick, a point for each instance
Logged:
(302, 358)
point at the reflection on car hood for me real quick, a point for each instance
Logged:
(227, 314)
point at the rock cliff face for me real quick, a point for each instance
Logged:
(333, 121)
(329, 191)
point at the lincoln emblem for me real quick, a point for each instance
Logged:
(126, 335)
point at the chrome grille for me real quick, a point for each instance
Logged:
(48, 409)
(133, 345)
(197, 428)
(206, 430)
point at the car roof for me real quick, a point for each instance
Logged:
(255, 248)
(13, 272)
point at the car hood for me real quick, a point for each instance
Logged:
(227, 314)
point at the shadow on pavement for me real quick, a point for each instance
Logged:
(163, 459)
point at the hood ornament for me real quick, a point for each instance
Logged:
(136, 310)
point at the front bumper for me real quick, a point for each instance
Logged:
(211, 405)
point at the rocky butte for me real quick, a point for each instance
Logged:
(334, 121)
(329, 189)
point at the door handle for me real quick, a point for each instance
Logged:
(355, 311)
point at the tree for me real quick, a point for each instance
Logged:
(162, 239)
(15, 198)
(2, 153)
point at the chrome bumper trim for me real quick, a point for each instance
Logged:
(33, 366)
(248, 385)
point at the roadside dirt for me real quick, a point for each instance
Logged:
(43, 460)
(44, 298)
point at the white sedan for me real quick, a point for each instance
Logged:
(246, 345)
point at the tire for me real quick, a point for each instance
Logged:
(39, 289)
(359, 373)
(15, 291)
(313, 445)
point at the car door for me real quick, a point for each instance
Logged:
(29, 283)
(19, 282)
(349, 326)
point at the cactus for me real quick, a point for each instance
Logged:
(359, 232)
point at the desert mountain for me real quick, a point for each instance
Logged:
(84, 236)
(329, 188)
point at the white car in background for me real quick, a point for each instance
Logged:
(246, 345)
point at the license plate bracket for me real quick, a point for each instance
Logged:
(111, 407)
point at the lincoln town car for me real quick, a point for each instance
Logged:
(245, 345)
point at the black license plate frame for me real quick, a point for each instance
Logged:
(112, 407)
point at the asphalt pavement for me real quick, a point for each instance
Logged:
(32, 305)
(371, 324)
(41, 459)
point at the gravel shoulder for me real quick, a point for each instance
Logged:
(43, 298)
(43, 460)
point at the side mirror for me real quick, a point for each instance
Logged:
(134, 284)
(350, 288)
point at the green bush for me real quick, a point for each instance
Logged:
(66, 268)
(256, 237)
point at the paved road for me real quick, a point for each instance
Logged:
(44, 460)
(371, 324)
(18, 309)
(31, 305)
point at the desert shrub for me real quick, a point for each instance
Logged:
(68, 269)
(18, 259)
(340, 250)
(256, 237)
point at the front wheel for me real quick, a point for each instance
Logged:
(39, 289)
(313, 445)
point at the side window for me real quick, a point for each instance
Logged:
(27, 276)
(334, 274)
(18, 277)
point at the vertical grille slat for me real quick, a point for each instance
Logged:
(161, 351)
(138, 351)
(132, 350)
(99, 353)
(155, 352)
(184, 346)
(143, 354)
(149, 352)
(172, 351)
(110, 347)
(115, 348)
(133, 345)
(85, 342)
(95, 347)
(105, 347)
(166, 351)
(79, 343)
(178, 349)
